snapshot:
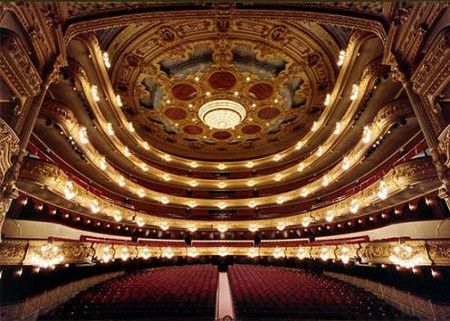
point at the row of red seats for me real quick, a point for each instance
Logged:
(260, 292)
(178, 292)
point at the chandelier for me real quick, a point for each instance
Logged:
(222, 114)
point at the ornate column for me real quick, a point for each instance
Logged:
(427, 127)
(8, 188)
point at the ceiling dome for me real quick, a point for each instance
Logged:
(222, 114)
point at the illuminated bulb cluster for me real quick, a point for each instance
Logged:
(222, 228)
(145, 254)
(222, 205)
(192, 252)
(405, 256)
(222, 185)
(192, 204)
(315, 126)
(367, 134)
(277, 157)
(164, 226)
(278, 177)
(109, 129)
(223, 251)
(193, 164)
(124, 254)
(278, 252)
(102, 163)
(253, 227)
(252, 204)
(301, 167)
(95, 207)
(306, 221)
(327, 100)
(49, 256)
(193, 183)
(250, 164)
(280, 200)
(83, 135)
(355, 92)
(146, 145)
(337, 128)
(106, 60)
(164, 200)
(319, 151)
(168, 252)
(253, 252)
(121, 181)
(126, 151)
(325, 180)
(140, 192)
(345, 257)
(166, 177)
(131, 127)
(251, 183)
(192, 227)
(94, 93)
(167, 157)
(139, 221)
(119, 101)
(304, 192)
(341, 58)
(69, 190)
(281, 225)
(354, 206)
(330, 216)
(301, 253)
(221, 166)
(324, 254)
(117, 216)
(382, 190)
(299, 145)
(345, 163)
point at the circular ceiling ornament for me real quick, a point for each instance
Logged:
(222, 80)
(251, 129)
(222, 114)
(260, 91)
(193, 129)
(223, 134)
(184, 92)
(175, 113)
(268, 113)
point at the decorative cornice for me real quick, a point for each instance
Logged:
(431, 252)
(9, 146)
(16, 67)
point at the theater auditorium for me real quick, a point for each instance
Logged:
(225, 160)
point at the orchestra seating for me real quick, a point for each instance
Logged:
(184, 293)
(271, 293)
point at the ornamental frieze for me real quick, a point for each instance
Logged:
(17, 68)
(9, 146)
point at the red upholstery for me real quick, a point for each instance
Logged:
(268, 292)
(176, 292)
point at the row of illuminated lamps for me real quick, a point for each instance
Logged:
(402, 255)
(220, 166)
(326, 179)
(382, 193)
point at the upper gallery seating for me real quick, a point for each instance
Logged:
(271, 293)
(185, 293)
